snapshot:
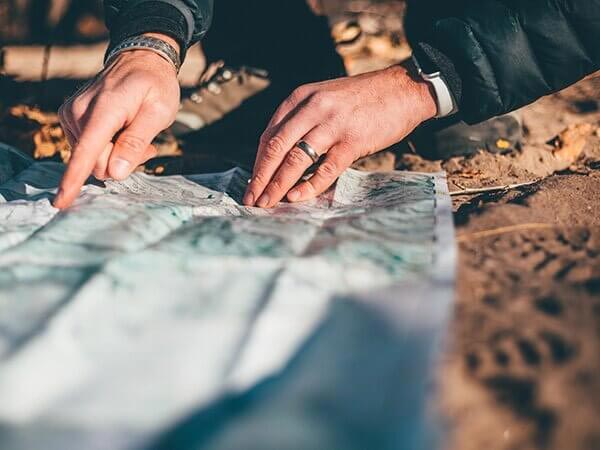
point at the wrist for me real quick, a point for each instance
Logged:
(417, 91)
(426, 98)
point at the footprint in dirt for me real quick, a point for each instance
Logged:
(509, 365)
(508, 350)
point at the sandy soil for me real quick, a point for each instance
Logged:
(522, 367)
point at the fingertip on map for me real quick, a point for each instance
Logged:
(248, 199)
(61, 201)
(293, 195)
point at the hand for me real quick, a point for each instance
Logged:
(345, 119)
(112, 122)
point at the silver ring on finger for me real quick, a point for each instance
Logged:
(309, 150)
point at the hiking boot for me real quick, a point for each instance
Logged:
(221, 89)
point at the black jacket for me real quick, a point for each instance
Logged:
(499, 55)
(187, 21)
(496, 55)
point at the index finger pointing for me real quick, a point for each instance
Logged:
(103, 123)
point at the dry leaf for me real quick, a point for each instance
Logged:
(31, 113)
(570, 143)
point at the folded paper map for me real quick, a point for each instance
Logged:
(160, 313)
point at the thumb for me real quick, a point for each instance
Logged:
(131, 147)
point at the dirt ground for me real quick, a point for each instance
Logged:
(521, 368)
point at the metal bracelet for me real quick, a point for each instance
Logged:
(155, 45)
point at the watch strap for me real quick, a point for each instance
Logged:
(446, 105)
(445, 102)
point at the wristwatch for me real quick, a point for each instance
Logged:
(446, 106)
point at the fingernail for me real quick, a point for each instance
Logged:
(293, 195)
(120, 168)
(263, 201)
(249, 199)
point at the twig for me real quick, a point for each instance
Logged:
(503, 230)
(493, 188)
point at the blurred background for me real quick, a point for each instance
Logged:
(50, 47)
(45, 21)
(42, 39)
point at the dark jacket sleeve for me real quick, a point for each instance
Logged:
(499, 55)
(184, 20)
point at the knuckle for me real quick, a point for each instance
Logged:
(276, 185)
(351, 135)
(297, 95)
(259, 179)
(296, 157)
(288, 104)
(309, 188)
(328, 129)
(264, 138)
(322, 101)
(274, 148)
(329, 169)
(132, 143)
(298, 92)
